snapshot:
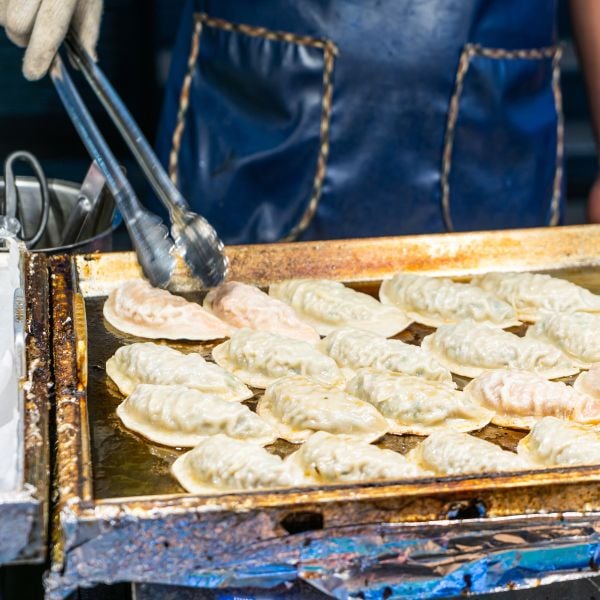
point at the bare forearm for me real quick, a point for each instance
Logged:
(585, 16)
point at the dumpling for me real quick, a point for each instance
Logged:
(220, 464)
(297, 406)
(325, 458)
(327, 305)
(589, 382)
(520, 399)
(356, 349)
(449, 452)
(174, 415)
(415, 405)
(533, 293)
(554, 442)
(245, 306)
(575, 334)
(156, 364)
(436, 301)
(137, 308)
(469, 349)
(258, 358)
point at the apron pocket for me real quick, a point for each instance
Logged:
(250, 145)
(502, 163)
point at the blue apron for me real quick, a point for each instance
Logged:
(348, 118)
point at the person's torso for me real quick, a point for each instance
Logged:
(345, 118)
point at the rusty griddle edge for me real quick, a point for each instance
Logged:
(72, 466)
(372, 258)
(81, 521)
(37, 399)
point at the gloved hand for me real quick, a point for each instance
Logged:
(41, 25)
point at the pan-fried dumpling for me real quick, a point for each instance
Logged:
(554, 442)
(259, 358)
(137, 308)
(589, 382)
(532, 293)
(449, 452)
(174, 415)
(415, 405)
(520, 399)
(575, 334)
(356, 349)
(220, 464)
(436, 301)
(161, 365)
(469, 349)
(245, 306)
(325, 458)
(327, 305)
(297, 406)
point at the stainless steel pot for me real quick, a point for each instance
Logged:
(63, 197)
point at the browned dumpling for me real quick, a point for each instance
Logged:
(245, 306)
(519, 399)
(137, 308)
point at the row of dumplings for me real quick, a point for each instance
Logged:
(305, 309)
(469, 317)
(221, 464)
(184, 391)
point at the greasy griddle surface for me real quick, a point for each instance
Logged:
(126, 464)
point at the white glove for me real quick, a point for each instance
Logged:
(41, 25)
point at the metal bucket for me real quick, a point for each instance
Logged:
(63, 197)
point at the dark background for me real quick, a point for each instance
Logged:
(134, 52)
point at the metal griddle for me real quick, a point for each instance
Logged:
(121, 516)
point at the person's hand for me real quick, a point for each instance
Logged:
(593, 208)
(41, 25)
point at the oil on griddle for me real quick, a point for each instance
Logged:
(126, 464)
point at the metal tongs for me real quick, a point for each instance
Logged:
(193, 236)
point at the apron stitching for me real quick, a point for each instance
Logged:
(463, 67)
(329, 58)
(560, 139)
(530, 53)
(184, 101)
(330, 51)
(263, 32)
(469, 51)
